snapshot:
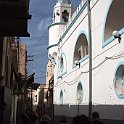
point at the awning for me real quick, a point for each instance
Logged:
(29, 80)
(25, 84)
(34, 86)
(16, 74)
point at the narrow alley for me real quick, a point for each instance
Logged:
(61, 61)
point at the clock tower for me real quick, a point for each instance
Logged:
(61, 15)
(62, 11)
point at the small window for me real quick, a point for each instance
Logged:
(61, 97)
(62, 65)
(57, 13)
(79, 93)
(65, 16)
(36, 98)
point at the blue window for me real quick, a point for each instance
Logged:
(79, 93)
(81, 48)
(61, 97)
(119, 81)
(62, 65)
(114, 20)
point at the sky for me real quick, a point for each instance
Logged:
(41, 11)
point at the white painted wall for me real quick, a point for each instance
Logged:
(59, 8)
(103, 88)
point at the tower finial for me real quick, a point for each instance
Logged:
(64, 1)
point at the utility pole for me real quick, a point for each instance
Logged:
(90, 58)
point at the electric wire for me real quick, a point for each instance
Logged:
(92, 59)
(116, 56)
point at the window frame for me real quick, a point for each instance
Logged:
(110, 39)
(85, 56)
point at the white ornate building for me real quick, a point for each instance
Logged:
(69, 52)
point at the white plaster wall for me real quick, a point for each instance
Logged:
(55, 32)
(103, 89)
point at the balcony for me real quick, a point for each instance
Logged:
(13, 17)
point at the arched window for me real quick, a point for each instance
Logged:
(62, 64)
(65, 16)
(119, 81)
(114, 19)
(81, 48)
(79, 93)
(61, 97)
